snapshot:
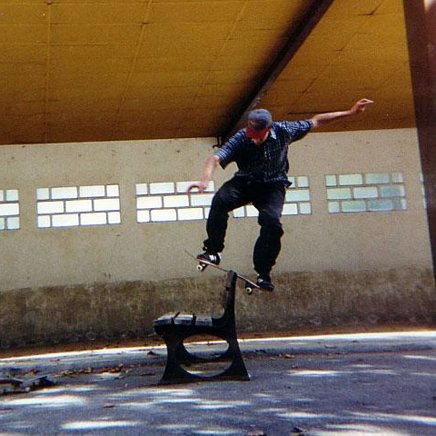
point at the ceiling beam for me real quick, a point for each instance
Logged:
(295, 40)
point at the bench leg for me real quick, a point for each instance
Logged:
(178, 355)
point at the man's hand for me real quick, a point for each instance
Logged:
(208, 170)
(360, 106)
(201, 186)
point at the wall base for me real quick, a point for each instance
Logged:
(62, 314)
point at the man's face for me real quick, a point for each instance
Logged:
(258, 136)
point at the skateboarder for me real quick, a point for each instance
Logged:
(260, 152)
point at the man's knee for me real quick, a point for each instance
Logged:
(218, 204)
(271, 224)
(222, 202)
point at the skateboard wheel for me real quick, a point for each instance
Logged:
(201, 267)
(249, 290)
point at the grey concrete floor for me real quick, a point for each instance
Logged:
(382, 384)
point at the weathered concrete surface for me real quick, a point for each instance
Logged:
(333, 298)
(380, 384)
(127, 309)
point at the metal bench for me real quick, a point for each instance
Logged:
(176, 327)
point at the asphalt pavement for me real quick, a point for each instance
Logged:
(347, 384)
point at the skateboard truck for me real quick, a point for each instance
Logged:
(201, 266)
(248, 288)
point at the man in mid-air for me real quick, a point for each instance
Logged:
(260, 151)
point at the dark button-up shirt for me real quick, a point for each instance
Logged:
(266, 162)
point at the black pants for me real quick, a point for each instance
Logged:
(268, 199)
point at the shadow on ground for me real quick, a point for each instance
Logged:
(311, 394)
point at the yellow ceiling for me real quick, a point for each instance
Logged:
(97, 70)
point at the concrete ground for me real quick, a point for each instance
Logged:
(352, 384)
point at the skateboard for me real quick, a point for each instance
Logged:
(202, 264)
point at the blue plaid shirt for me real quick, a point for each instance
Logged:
(267, 162)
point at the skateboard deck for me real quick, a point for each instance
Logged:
(249, 285)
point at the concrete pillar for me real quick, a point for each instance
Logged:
(420, 18)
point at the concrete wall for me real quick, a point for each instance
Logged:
(108, 280)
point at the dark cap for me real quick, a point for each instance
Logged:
(259, 121)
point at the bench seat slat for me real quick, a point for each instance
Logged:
(166, 319)
(184, 319)
(203, 320)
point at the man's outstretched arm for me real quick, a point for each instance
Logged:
(357, 108)
(209, 168)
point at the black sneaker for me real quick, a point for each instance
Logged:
(214, 258)
(264, 282)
